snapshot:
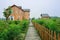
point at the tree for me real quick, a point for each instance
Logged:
(7, 12)
(33, 18)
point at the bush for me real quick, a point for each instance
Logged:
(48, 23)
(13, 30)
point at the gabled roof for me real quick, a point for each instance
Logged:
(16, 6)
(44, 15)
(25, 10)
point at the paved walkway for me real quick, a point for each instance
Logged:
(32, 33)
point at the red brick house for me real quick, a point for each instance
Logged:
(19, 14)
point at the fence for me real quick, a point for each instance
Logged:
(45, 33)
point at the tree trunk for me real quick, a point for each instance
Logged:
(7, 18)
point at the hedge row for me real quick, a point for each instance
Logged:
(13, 30)
(52, 24)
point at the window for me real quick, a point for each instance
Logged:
(11, 18)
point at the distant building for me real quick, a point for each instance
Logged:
(44, 16)
(18, 13)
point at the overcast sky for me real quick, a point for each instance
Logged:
(51, 7)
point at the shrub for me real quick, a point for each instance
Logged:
(13, 29)
(48, 23)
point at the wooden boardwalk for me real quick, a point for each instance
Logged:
(32, 33)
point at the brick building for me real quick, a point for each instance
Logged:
(18, 13)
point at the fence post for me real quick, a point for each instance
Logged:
(58, 36)
(54, 35)
(51, 35)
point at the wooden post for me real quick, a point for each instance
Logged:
(54, 35)
(51, 35)
(58, 36)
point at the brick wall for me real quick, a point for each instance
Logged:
(19, 14)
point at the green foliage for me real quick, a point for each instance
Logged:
(13, 30)
(52, 24)
(33, 18)
(13, 22)
(7, 12)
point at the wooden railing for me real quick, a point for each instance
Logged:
(45, 33)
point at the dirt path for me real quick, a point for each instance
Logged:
(32, 33)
